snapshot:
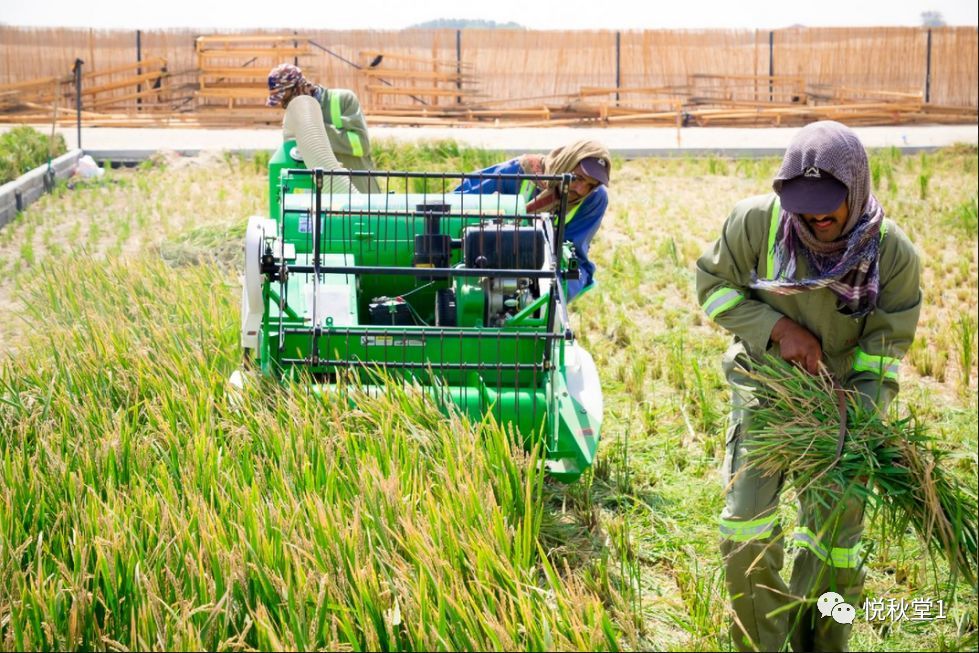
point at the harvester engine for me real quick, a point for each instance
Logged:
(500, 246)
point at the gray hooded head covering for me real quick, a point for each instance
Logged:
(835, 148)
(847, 266)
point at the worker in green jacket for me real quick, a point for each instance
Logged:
(341, 116)
(813, 273)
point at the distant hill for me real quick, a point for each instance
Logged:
(462, 23)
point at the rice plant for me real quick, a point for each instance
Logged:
(966, 328)
(894, 464)
(701, 586)
(716, 166)
(965, 216)
(281, 519)
(24, 148)
(924, 176)
(877, 166)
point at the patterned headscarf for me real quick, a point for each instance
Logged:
(284, 77)
(848, 266)
(558, 162)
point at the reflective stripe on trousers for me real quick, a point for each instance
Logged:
(843, 558)
(745, 531)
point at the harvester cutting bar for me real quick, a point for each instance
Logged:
(418, 272)
(445, 176)
(381, 211)
(338, 362)
(437, 333)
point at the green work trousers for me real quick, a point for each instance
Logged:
(770, 616)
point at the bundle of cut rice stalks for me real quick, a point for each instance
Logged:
(894, 464)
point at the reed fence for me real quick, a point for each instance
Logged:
(669, 77)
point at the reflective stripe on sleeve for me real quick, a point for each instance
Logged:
(744, 531)
(336, 116)
(722, 300)
(885, 366)
(356, 146)
(772, 231)
(527, 189)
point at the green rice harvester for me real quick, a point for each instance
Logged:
(460, 294)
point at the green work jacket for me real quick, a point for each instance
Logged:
(346, 130)
(862, 353)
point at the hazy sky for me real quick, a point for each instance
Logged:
(553, 14)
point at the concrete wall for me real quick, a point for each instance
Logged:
(20, 193)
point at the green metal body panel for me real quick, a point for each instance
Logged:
(282, 161)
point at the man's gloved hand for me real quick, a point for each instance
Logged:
(797, 344)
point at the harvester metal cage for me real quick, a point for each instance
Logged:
(460, 294)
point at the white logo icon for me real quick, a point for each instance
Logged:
(831, 604)
(812, 171)
(844, 613)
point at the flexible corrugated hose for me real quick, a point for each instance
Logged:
(304, 119)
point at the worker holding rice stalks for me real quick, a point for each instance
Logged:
(336, 109)
(591, 165)
(816, 274)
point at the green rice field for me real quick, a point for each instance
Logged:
(142, 506)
